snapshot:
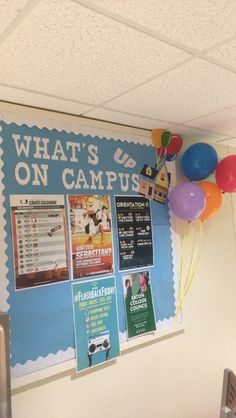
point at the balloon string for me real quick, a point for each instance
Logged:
(182, 295)
(193, 268)
(160, 162)
(191, 273)
(195, 265)
(182, 258)
(191, 278)
(187, 288)
(196, 251)
(181, 263)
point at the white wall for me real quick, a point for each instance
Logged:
(178, 377)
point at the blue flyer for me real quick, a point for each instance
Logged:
(95, 322)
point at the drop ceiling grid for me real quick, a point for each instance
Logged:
(229, 142)
(197, 24)
(119, 116)
(63, 4)
(190, 91)
(144, 58)
(197, 134)
(34, 99)
(222, 122)
(126, 118)
(10, 10)
(225, 53)
(110, 57)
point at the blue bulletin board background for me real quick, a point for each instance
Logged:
(41, 318)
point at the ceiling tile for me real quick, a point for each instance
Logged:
(229, 143)
(197, 24)
(37, 100)
(125, 119)
(223, 122)
(225, 53)
(66, 50)
(190, 91)
(197, 135)
(10, 10)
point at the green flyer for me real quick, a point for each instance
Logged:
(140, 315)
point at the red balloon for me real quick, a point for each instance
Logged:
(162, 152)
(226, 174)
(175, 144)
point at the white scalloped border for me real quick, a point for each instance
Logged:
(77, 128)
(175, 246)
(64, 126)
(4, 294)
(42, 363)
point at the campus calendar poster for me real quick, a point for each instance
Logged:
(95, 322)
(39, 240)
(140, 316)
(90, 235)
(134, 232)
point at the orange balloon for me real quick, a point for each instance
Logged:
(213, 199)
(156, 137)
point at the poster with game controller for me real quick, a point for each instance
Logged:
(39, 240)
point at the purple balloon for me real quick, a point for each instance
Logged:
(187, 200)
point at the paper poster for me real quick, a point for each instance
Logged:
(140, 316)
(134, 232)
(90, 235)
(95, 322)
(39, 239)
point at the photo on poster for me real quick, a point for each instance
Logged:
(140, 317)
(90, 235)
(39, 240)
(134, 228)
(95, 322)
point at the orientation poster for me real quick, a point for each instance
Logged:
(95, 322)
(140, 316)
(39, 239)
(90, 235)
(134, 232)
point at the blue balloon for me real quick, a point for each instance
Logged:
(199, 161)
(171, 157)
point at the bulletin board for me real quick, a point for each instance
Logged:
(45, 165)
